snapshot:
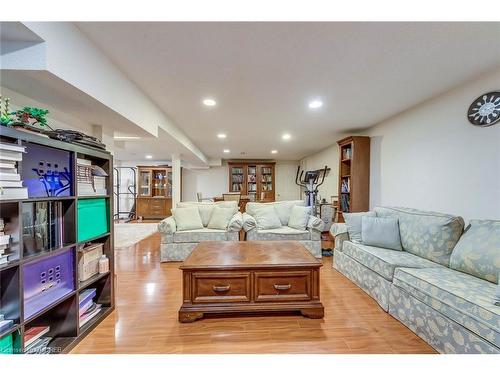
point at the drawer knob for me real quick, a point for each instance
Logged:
(282, 286)
(221, 288)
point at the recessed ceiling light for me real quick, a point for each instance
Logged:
(149, 156)
(226, 151)
(221, 135)
(315, 104)
(209, 102)
(125, 137)
(274, 151)
(286, 136)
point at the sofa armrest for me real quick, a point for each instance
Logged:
(249, 222)
(167, 226)
(339, 232)
(236, 222)
(315, 223)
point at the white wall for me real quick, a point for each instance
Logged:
(210, 182)
(286, 189)
(213, 182)
(430, 157)
(329, 157)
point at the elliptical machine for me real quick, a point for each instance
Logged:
(310, 181)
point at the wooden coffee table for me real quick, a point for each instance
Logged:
(252, 276)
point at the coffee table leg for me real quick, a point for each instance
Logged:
(313, 313)
(189, 316)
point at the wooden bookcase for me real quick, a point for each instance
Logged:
(154, 192)
(61, 313)
(354, 175)
(254, 179)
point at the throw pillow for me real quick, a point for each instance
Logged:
(299, 217)
(187, 218)
(221, 216)
(353, 224)
(381, 232)
(478, 250)
(267, 218)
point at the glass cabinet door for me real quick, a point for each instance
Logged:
(145, 183)
(160, 183)
(169, 183)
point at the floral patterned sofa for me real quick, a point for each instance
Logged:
(176, 245)
(442, 285)
(310, 237)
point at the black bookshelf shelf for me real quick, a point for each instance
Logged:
(46, 253)
(11, 330)
(58, 310)
(93, 196)
(12, 263)
(49, 307)
(85, 284)
(101, 236)
(105, 311)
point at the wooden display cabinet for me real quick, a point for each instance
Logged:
(154, 198)
(255, 180)
(354, 175)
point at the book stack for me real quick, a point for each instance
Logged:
(346, 186)
(11, 186)
(34, 343)
(4, 243)
(91, 179)
(5, 324)
(87, 307)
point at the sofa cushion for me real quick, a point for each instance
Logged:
(282, 234)
(206, 208)
(460, 297)
(353, 222)
(220, 217)
(198, 235)
(381, 232)
(430, 235)
(478, 250)
(267, 218)
(283, 208)
(299, 217)
(384, 261)
(187, 218)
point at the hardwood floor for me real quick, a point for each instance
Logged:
(149, 296)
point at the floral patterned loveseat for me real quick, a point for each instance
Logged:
(442, 285)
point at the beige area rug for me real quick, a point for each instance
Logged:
(129, 234)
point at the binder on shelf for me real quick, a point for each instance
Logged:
(34, 333)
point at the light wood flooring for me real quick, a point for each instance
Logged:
(149, 296)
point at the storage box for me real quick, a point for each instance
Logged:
(88, 261)
(47, 280)
(93, 218)
(7, 345)
(46, 171)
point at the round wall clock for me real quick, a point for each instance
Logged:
(485, 110)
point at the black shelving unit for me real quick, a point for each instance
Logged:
(62, 315)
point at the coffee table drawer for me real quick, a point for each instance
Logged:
(282, 286)
(214, 287)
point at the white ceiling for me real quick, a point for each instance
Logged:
(263, 75)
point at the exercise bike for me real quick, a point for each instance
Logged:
(310, 181)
